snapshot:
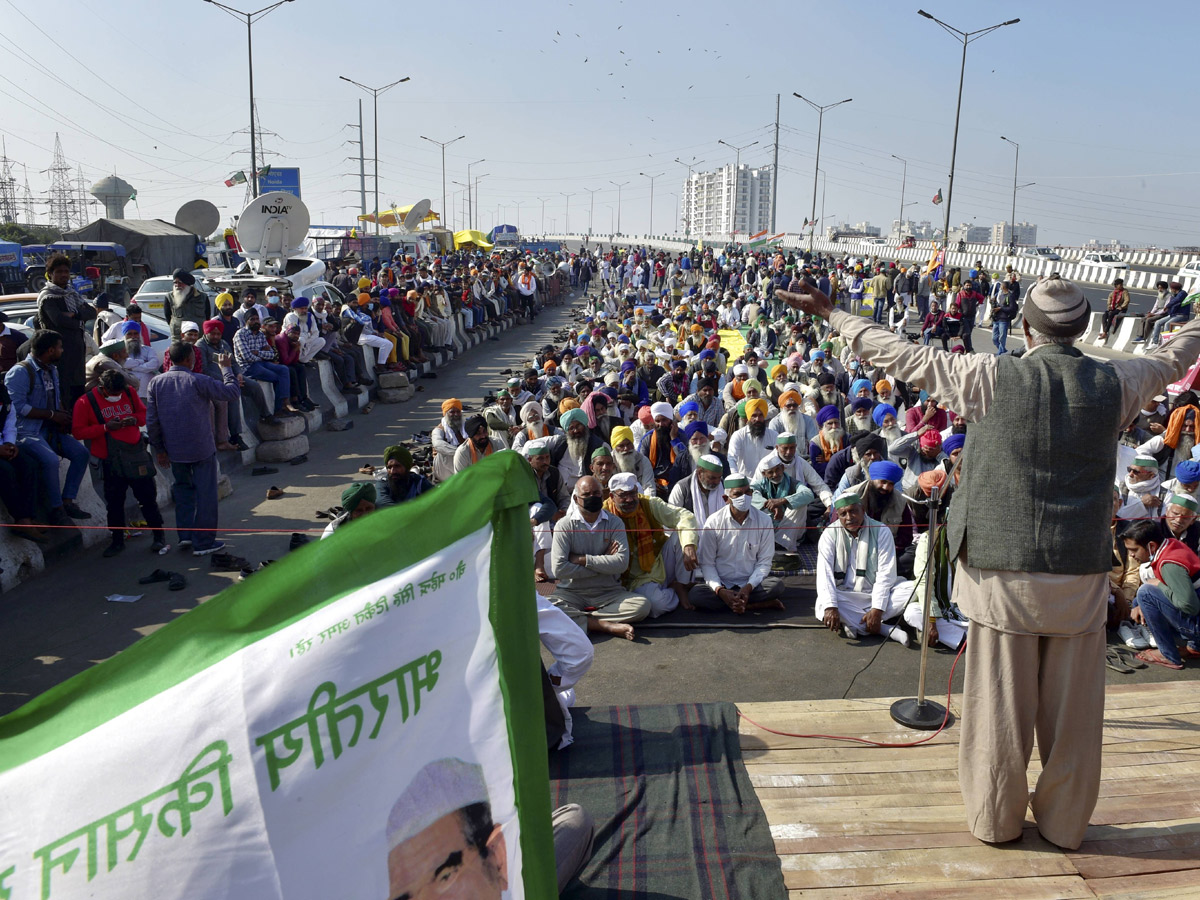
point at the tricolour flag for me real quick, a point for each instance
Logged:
(238, 177)
(306, 733)
(937, 198)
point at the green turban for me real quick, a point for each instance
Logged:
(573, 415)
(112, 348)
(356, 494)
(400, 452)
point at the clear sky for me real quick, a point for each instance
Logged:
(571, 95)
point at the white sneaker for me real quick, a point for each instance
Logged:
(1148, 636)
(1132, 636)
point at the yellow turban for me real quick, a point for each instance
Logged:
(450, 404)
(778, 370)
(620, 434)
(883, 387)
(224, 299)
(364, 283)
(758, 403)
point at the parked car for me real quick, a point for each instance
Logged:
(153, 292)
(1105, 260)
(1189, 273)
(19, 308)
(876, 241)
(1040, 253)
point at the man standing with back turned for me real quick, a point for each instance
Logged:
(1032, 564)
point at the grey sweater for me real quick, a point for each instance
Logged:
(602, 573)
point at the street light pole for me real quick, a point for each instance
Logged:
(591, 207)
(689, 191)
(567, 221)
(374, 92)
(652, 177)
(443, 145)
(903, 182)
(619, 186)
(817, 162)
(737, 178)
(470, 205)
(1012, 227)
(477, 177)
(543, 200)
(966, 37)
(250, 18)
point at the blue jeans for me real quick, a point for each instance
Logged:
(195, 492)
(1000, 336)
(47, 449)
(274, 374)
(1162, 324)
(1166, 621)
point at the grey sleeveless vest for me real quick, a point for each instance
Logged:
(1036, 477)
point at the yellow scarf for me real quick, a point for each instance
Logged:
(640, 527)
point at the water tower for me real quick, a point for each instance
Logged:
(114, 193)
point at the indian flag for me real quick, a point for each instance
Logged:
(301, 734)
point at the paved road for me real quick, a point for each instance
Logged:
(59, 623)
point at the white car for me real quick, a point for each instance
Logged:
(1041, 253)
(153, 292)
(1105, 260)
(1189, 273)
(876, 241)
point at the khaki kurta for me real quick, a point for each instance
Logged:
(1036, 665)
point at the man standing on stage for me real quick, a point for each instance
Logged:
(1032, 564)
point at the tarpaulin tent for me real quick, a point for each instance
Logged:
(469, 238)
(394, 218)
(507, 230)
(161, 246)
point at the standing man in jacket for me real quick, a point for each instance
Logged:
(61, 309)
(179, 425)
(1032, 566)
(1004, 310)
(185, 303)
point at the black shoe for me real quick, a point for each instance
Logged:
(298, 540)
(113, 549)
(366, 382)
(71, 508)
(239, 443)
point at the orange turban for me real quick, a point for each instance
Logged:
(789, 395)
(450, 404)
(883, 387)
(364, 299)
(932, 478)
(567, 403)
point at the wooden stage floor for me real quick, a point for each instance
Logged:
(852, 822)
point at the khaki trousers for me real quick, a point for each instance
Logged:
(1018, 686)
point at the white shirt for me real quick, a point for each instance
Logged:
(733, 555)
(885, 566)
(572, 652)
(746, 451)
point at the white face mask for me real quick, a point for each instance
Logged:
(741, 503)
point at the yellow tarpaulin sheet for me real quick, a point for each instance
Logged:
(394, 218)
(732, 343)
(470, 238)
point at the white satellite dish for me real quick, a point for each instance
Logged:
(199, 217)
(416, 215)
(273, 227)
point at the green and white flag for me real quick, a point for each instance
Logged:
(361, 720)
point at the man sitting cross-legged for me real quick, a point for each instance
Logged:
(660, 565)
(858, 590)
(736, 549)
(589, 554)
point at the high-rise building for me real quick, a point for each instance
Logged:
(1026, 234)
(731, 199)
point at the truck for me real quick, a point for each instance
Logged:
(12, 268)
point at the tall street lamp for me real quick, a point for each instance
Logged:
(476, 206)
(1012, 227)
(375, 92)
(470, 204)
(817, 162)
(466, 196)
(443, 145)
(903, 182)
(250, 18)
(690, 191)
(543, 202)
(652, 177)
(591, 207)
(966, 37)
(567, 218)
(619, 186)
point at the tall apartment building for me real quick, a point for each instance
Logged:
(1026, 234)
(731, 199)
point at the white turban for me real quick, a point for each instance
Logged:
(662, 409)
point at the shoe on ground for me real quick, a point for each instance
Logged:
(239, 444)
(185, 545)
(1147, 636)
(217, 547)
(159, 547)
(113, 549)
(1138, 340)
(1132, 636)
(71, 508)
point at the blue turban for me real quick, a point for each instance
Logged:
(609, 391)
(858, 385)
(883, 409)
(692, 291)
(825, 413)
(694, 428)
(1188, 471)
(628, 366)
(571, 416)
(885, 470)
(691, 406)
(707, 354)
(954, 442)
(623, 339)
(860, 403)
(300, 303)
(131, 327)
(581, 348)
(817, 354)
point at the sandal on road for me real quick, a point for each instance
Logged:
(156, 575)
(1113, 660)
(177, 582)
(1154, 657)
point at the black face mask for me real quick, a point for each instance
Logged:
(592, 504)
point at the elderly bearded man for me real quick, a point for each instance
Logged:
(626, 458)
(784, 499)
(479, 444)
(398, 482)
(831, 438)
(792, 420)
(858, 590)
(663, 448)
(446, 437)
(701, 493)
(1032, 571)
(736, 550)
(660, 565)
(590, 552)
(749, 445)
(571, 452)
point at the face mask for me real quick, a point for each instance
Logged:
(593, 504)
(741, 503)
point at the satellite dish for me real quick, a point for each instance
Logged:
(273, 226)
(416, 215)
(199, 217)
